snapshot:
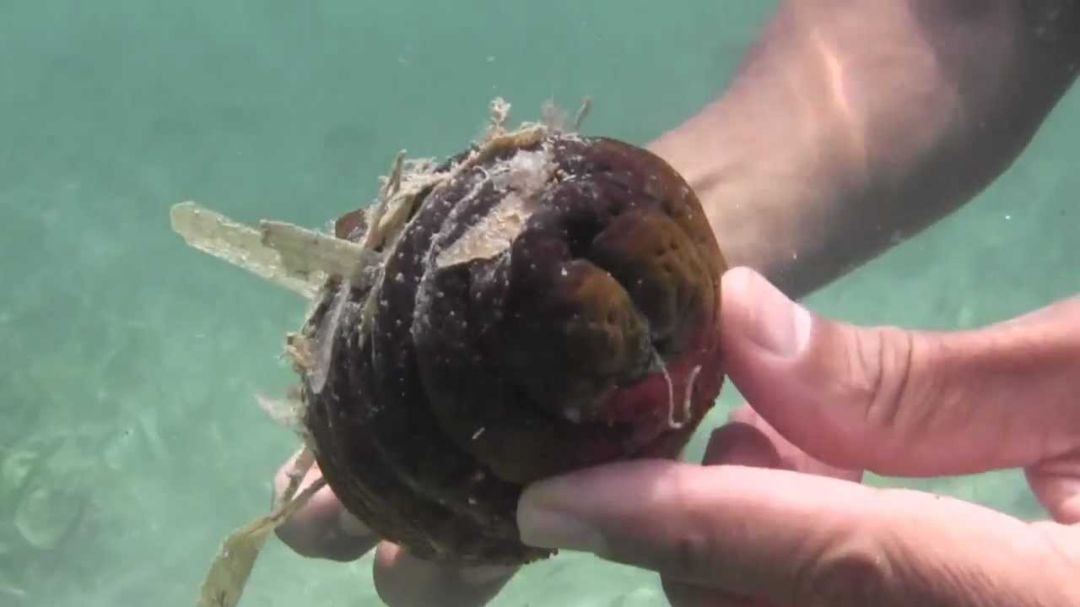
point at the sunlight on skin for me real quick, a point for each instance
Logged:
(832, 63)
(819, 130)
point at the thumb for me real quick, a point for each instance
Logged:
(905, 402)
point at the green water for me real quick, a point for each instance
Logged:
(130, 441)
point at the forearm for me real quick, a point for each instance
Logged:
(852, 125)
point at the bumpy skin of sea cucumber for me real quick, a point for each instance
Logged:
(591, 337)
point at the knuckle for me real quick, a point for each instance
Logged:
(299, 538)
(881, 378)
(689, 543)
(852, 571)
(690, 552)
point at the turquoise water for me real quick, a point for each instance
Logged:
(130, 440)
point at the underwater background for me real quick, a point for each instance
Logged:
(130, 438)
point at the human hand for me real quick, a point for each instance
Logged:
(776, 516)
(322, 528)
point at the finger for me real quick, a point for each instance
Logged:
(1056, 483)
(322, 528)
(403, 580)
(741, 444)
(748, 440)
(906, 402)
(798, 539)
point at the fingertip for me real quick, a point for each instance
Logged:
(780, 453)
(550, 512)
(784, 360)
(763, 336)
(736, 282)
(323, 529)
(386, 555)
(757, 315)
(741, 444)
(576, 511)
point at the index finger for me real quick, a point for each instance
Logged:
(798, 539)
